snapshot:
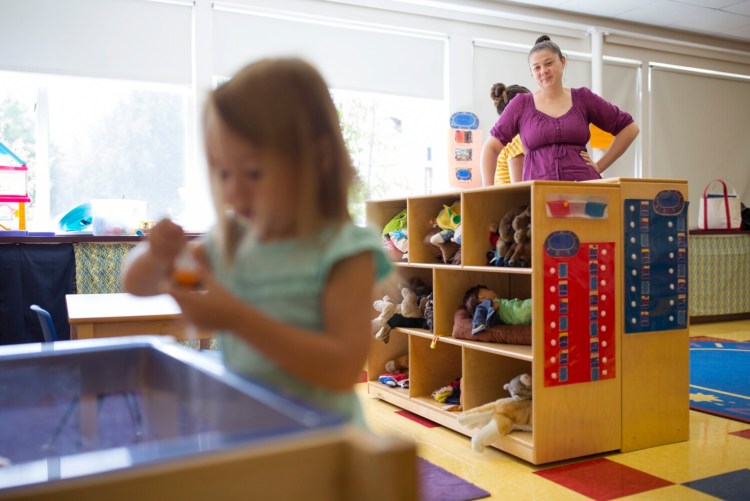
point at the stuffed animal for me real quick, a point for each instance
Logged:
(519, 387)
(458, 234)
(443, 234)
(500, 417)
(397, 242)
(379, 325)
(398, 365)
(520, 253)
(406, 314)
(409, 307)
(511, 238)
(429, 313)
(395, 236)
(502, 234)
(446, 247)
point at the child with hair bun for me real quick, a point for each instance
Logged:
(509, 168)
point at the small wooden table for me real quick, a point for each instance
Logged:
(110, 315)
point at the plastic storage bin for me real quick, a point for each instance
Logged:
(111, 216)
(80, 409)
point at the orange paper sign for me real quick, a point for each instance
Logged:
(599, 138)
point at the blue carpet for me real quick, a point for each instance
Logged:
(719, 378)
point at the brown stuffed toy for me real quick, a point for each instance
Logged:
(447, 250)
(503, 234)
(519, 254)
(502, 416)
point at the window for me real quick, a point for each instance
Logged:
(394, 142)
(110, 140)
(106, 139)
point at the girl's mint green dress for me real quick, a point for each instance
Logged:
(285, 280)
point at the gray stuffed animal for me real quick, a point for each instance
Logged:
(519, 387)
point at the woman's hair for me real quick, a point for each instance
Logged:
(545, 43)
(501, 95)
(283, 108)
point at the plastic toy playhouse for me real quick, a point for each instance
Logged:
(13, 192)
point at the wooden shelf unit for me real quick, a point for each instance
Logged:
(569, 420)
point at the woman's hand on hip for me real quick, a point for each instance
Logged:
(591, 163)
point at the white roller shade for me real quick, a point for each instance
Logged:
(128, 39)
(699, 131)
(621, 88)
(349, 58)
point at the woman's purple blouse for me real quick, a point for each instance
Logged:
(553, 145)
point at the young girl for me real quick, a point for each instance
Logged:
(286, 277)
(509, 167)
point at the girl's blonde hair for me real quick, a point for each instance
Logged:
(283, 108)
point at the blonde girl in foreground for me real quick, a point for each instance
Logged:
(287, 278)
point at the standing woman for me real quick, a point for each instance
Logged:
(553, 122)
(509, 167)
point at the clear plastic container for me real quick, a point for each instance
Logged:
(113, 217)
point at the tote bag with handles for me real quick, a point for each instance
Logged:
(720, 208)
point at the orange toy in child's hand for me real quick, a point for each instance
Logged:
(185, 272)
(186, 278)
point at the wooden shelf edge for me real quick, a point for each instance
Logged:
(498, 269)
(377, 388)
(518, 443)
(519, 351)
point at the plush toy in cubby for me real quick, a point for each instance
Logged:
(510, 239)
(502, 416)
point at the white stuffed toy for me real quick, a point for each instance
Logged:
(380, 328)
(409, 307)
(502, 416)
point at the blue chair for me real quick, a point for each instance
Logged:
(45, 320)
(131, 400)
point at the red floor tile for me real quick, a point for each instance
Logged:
(742, 433)
(602, 479)
(417, 419)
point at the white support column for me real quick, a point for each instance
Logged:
(597, 59)
(597, 66)
(198, 207)
(459, 69)
(42, 194)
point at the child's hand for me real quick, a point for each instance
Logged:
(212, 308)
(190, 265)
(166, 240)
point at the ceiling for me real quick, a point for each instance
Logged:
(725, 19)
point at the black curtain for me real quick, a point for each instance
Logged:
(34, 274)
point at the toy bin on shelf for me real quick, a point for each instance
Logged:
(112, 216)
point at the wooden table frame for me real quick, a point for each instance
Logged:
(122, 314)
